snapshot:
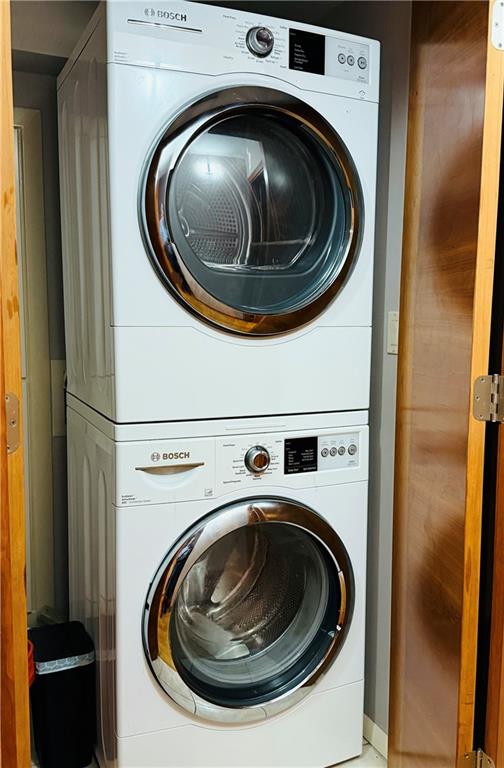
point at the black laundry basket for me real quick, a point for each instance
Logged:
(63, 695)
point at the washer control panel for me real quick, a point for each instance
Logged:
(335, 451)
(251, 459)
(204, 467)
(257, 459)
(248, 460)
(313, 454)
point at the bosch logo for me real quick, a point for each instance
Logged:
(167, 15)
(176, 455)
(172, 456)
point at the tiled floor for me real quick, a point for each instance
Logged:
(370, 758)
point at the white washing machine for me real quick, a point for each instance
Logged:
(220, 568)
(218, 195)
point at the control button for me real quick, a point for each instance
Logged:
(362, 62)
(341, 450)
(324, 452)
(260, 41)
(350, 60)
(352, 449)
(257, 459)
(341, 58)
(333, 451)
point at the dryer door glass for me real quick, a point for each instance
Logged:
(256, 614)
(258, 214)
(260, 218)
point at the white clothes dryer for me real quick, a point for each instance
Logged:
(218, 194)
(220, 568)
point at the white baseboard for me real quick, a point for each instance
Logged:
(376, 737)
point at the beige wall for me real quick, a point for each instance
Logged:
(39, 92)
(49, 27)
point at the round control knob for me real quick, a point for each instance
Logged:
(257, 459)
(260, 41)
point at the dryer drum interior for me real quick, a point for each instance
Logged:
(256, 615)
(247, 199)
(255, 220)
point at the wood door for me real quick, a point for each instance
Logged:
(452, 179)
(14, 726)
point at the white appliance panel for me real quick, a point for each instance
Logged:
(327, 723)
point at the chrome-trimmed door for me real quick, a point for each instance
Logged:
(248, 609)
(252, 211)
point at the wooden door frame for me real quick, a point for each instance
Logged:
(14, 726)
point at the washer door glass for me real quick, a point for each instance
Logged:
(259, 216)
(257, 612)
(254, 615)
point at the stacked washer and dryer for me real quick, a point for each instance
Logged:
(218, 192)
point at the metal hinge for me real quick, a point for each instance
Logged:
(477, 759)
(488, 402)
(498, 25)
(12, 419)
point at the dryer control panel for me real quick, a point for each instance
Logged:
(205, 39)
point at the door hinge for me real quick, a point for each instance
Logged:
(477, 759)
(498, 25)
(12, 419)
(488, 401)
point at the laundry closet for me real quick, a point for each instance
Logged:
(261, 504)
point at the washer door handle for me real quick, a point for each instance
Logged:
(170, 469)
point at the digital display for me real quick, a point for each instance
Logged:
(300, 455)
(306, 52)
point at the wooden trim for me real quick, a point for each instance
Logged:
(494, 726)
(14, 727)
(482, 319)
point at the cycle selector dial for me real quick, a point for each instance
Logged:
(257, 459)
(260, 41)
